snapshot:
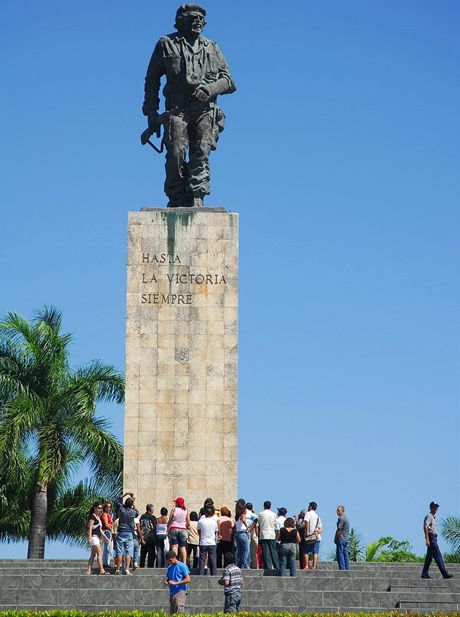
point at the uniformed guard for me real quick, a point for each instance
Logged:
(431, 541)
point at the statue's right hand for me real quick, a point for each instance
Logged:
(154, 125)
(145, 136)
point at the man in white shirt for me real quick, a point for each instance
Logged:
(313, 529)
(267, 534)
(207, 531)
(280, 518)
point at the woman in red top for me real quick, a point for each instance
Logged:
(107, 520)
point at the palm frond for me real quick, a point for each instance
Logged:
(68, 519)
(18, 420)
(72, 459)
(16, 372)
(88, 386)
(450, 531)
(53, 346)
(50, 315)
(16, 481)
(106, 380)
(18, 330)
(373, 548)
(101, 448)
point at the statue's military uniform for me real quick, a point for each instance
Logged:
(188, 122)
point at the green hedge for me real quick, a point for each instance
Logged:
(78, 613)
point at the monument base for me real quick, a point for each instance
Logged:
(181, 356)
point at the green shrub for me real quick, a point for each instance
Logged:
(79, 613)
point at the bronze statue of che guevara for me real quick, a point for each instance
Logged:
(196, 73)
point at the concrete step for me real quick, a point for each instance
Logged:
(324, 565)
(394, 574)
(441, 586)
(147, 599)
(431, 606)
(144, 580)
(47, 585)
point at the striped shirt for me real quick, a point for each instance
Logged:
(233, 575)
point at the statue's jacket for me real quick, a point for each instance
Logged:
(185, 69)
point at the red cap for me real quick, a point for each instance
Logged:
(180, 502)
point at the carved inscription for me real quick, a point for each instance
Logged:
(162, 258)
(166, 299)
(159, 267)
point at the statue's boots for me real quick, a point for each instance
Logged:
(192, 200)
(177, 203)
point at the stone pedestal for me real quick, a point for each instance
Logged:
(181, 356)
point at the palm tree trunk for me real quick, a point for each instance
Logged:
(39, 513)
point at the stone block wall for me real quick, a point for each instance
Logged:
(181, 356)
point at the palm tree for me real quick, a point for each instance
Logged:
(48, 425)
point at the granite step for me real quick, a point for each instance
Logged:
(139, 580)
(431, 606)
(52, 584)
(324, 565)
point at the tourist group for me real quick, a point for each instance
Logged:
(208, 539)
(201, 539)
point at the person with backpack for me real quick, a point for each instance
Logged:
(125, 537)
(148, 523)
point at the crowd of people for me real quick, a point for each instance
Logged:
(212, 537)
(268, 539)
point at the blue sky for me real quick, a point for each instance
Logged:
(341, 154)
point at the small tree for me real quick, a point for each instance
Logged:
(356, 548)
(398, 550)
(373, 548)
(389, 549)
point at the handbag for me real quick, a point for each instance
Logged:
(312, 537)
